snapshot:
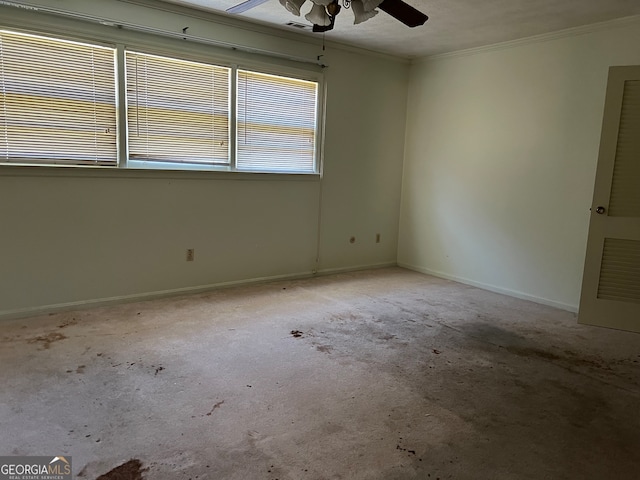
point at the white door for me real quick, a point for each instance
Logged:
(611, 283)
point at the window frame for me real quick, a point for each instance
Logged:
(62, 101)
(316, 119)
(176, 164)
(200, 54)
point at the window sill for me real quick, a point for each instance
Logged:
(111, 172)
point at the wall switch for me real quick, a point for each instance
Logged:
(190, 254)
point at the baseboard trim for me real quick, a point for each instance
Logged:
(357, 268)
(140, 297)
(492, 288)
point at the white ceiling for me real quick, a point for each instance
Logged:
(453, 24)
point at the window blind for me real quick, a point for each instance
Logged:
(178, 111)
(57, 102)
(276, 123)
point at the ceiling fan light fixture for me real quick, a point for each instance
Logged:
(293, 6)
(318, 16)
(323, 12)
(333, 8)
(359, 13)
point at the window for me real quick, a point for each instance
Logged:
(57, 102)
(177, 111)
(59, 106)
(276, 122)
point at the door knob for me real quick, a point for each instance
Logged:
(600, 210)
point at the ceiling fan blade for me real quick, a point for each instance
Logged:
(403, 12)
(244, 6)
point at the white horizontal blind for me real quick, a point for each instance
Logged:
(178, 111)
(57, 102)
(276, 123)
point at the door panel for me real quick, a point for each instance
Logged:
(624, 200)
(620, 271)
(611, 283)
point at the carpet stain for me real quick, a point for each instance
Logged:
(386, 336)
(412, 452)
(68, 323)
(568, 357)
(45, 341)
(131, 470)
(324, 348)
(217, 405)
(296, 333)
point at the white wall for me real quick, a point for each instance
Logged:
(365, 125)
(67, 238)
(500, 159)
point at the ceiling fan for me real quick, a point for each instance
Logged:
(323, 12)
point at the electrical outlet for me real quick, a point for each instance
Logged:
(190, 254)
(377, 238)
